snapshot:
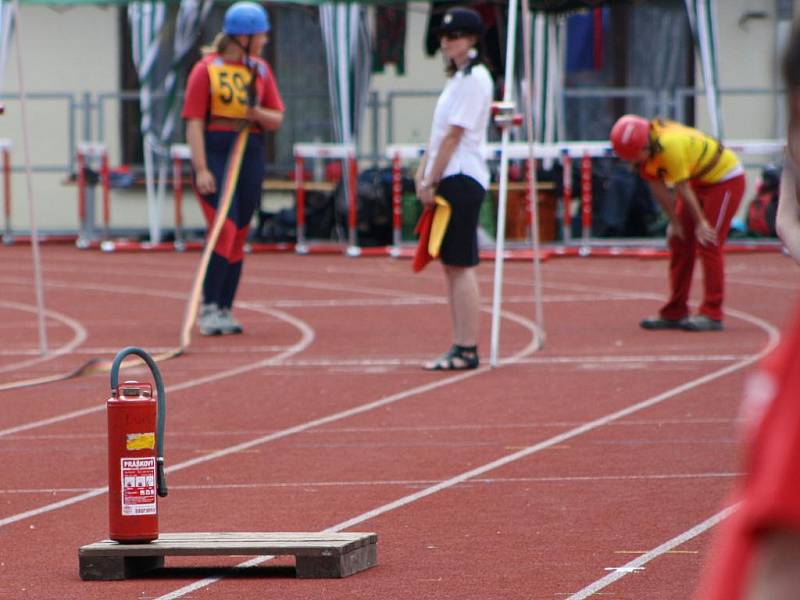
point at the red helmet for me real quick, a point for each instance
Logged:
(629, 135)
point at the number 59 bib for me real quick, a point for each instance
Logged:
(229, 90)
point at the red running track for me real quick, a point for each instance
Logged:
(591, 466)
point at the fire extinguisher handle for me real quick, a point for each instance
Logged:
(161, 396)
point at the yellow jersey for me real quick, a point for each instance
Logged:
(682, 153)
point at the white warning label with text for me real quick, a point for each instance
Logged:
(138, 486)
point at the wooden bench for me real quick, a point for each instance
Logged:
(287, 185)
(317, 555)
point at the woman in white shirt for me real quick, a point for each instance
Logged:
(453, 167)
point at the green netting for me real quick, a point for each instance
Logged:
(412, 209)
(487, 219)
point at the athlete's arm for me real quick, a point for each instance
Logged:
(267, 112)
(450, 141)
(776, 568)
(666, 199)
(787, 222)
(420, 173)
(663, 196)
(268, 118)
(204, 179)
(703, 231)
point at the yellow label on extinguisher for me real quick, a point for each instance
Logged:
(141, 441)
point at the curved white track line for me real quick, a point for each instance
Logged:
(263, 439)
(79, 337)
(693, 532)
(773, 339)
(306, 338)
(532, 346)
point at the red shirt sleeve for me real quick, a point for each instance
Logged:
(772, 487)
(196, 100)
(769, 495)
(270, 96)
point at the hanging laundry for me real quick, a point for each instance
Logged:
(389, 45)
(585, 33)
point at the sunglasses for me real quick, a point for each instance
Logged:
(454, 35)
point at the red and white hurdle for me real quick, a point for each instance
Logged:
(88, 153)
(347, 154)
(567, 153)
(92, 154)
(179, 153)
(397, 153)
(566, 198)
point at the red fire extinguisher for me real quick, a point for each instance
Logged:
(136, 474)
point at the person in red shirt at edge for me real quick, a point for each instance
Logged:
(755, 554)
(700, 184)
(221, 99)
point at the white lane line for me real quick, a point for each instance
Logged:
(534, 360)
(714, 375)
(528, 425)
(308, 337)
(403, 482)
(104, 288)
(638, 563)
(388, 362)
(79, 336)
(624, 570)
(730, 277)
(100, 350)
(416, 300)
(773, 338)
(383, 430)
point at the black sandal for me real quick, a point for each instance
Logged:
(458, 358)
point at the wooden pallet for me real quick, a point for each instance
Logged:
(317, 555)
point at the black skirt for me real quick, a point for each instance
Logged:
(460, 243)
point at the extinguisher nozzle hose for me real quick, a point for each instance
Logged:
(161, 478)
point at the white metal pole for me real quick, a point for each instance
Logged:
(154, 217)
(537, 271)
(508, 96)
(161, 190)
(346, 16)
(705, 34)
(37, 262)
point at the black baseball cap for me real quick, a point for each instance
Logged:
(461, 20)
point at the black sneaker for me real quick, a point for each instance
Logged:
(702, 323)
(662, 323)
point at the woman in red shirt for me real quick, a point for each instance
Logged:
(230, 88)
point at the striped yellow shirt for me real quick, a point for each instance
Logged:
(683, 153)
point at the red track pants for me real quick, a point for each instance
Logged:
(719, 202)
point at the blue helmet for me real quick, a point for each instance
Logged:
(245, 18)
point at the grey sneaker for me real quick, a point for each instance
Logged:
(662, 323)
(208, 322)
(702, 323)
(227, 323)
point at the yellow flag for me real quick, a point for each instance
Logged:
(441, 218)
